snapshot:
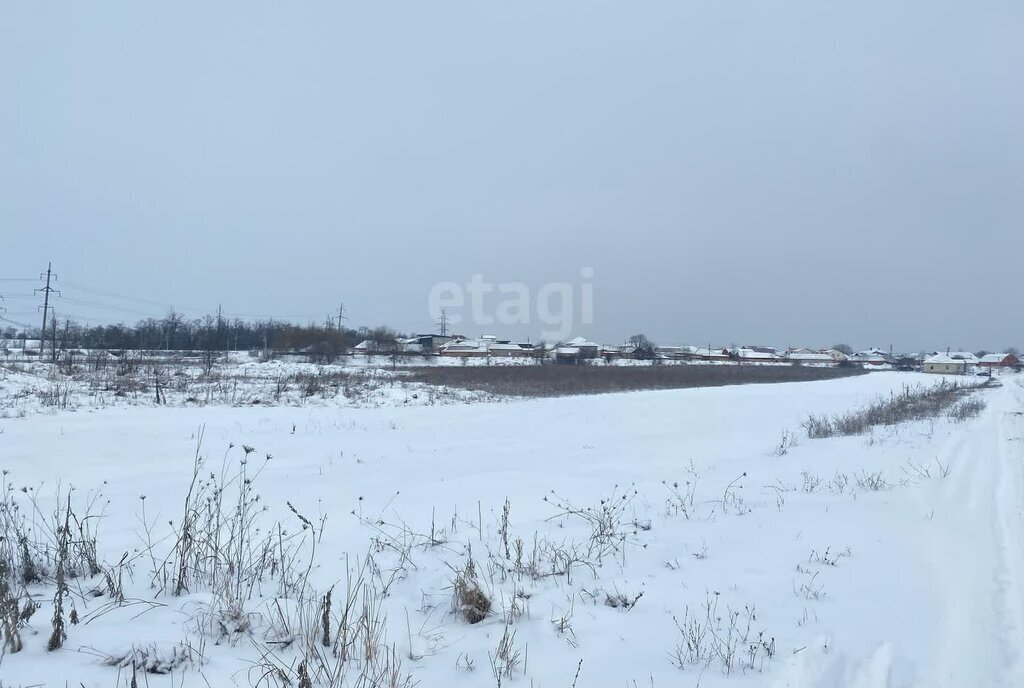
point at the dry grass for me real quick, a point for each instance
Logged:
(911, 404)
(469, 601)
(51, 548)
(728, 638)
(564, 380)
(965, 409)
(250, 577)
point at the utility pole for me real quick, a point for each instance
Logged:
(442, 322)
(46, 304)
(221, 330)
(53, 340)
(341, 318)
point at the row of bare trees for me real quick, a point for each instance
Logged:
(176, 332)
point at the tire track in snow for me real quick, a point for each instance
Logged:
(962, 487)
(1010, 528)
(974, 542)
(977, 551)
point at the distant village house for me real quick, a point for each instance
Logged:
(945, 364)
(999, 361)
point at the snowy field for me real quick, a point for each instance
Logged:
(28, 388)
(672, 538)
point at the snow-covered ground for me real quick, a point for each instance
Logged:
(240, 380)
(670, 538)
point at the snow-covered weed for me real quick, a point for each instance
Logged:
(681, 499)
(707, 637)
(827, 556)
(157, 659)
(914, 471)
(247, 582)
(562, 624)
(507, 659)
(39, 546)
(545, 559)
(838, 484)
(618, 600)
(732, 501)
(872, 481)
(607, 522)
(787, 442)
(911, 404)
(965, 409)
(811, 481)
(808, 588)
(58, 394)
(469, 601)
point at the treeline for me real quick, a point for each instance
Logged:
(176, 332)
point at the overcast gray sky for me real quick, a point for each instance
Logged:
(792, 173)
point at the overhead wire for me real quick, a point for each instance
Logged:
(73, 286)
(103, 306)
(15, 322)
(130, 297)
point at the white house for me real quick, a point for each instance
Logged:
(704, 353)
(587, 348)
(873, 357)
(465, 348)
(810, 357)
(756, 356)
(965, 356)
(567, 354)
(945, 364)
(999, 361)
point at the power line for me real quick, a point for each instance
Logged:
(163, 305)
(104, 306)
(72, 316)
(116, 295)
(46, 303)
(128, 297)
(270, 317)
(15, 322)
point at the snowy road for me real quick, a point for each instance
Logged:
(967, 534)
(980, 559)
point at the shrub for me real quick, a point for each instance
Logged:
(912, 403)
(469, 601)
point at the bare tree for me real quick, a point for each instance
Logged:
(171, 324)
(643, 347)
(384, 340)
